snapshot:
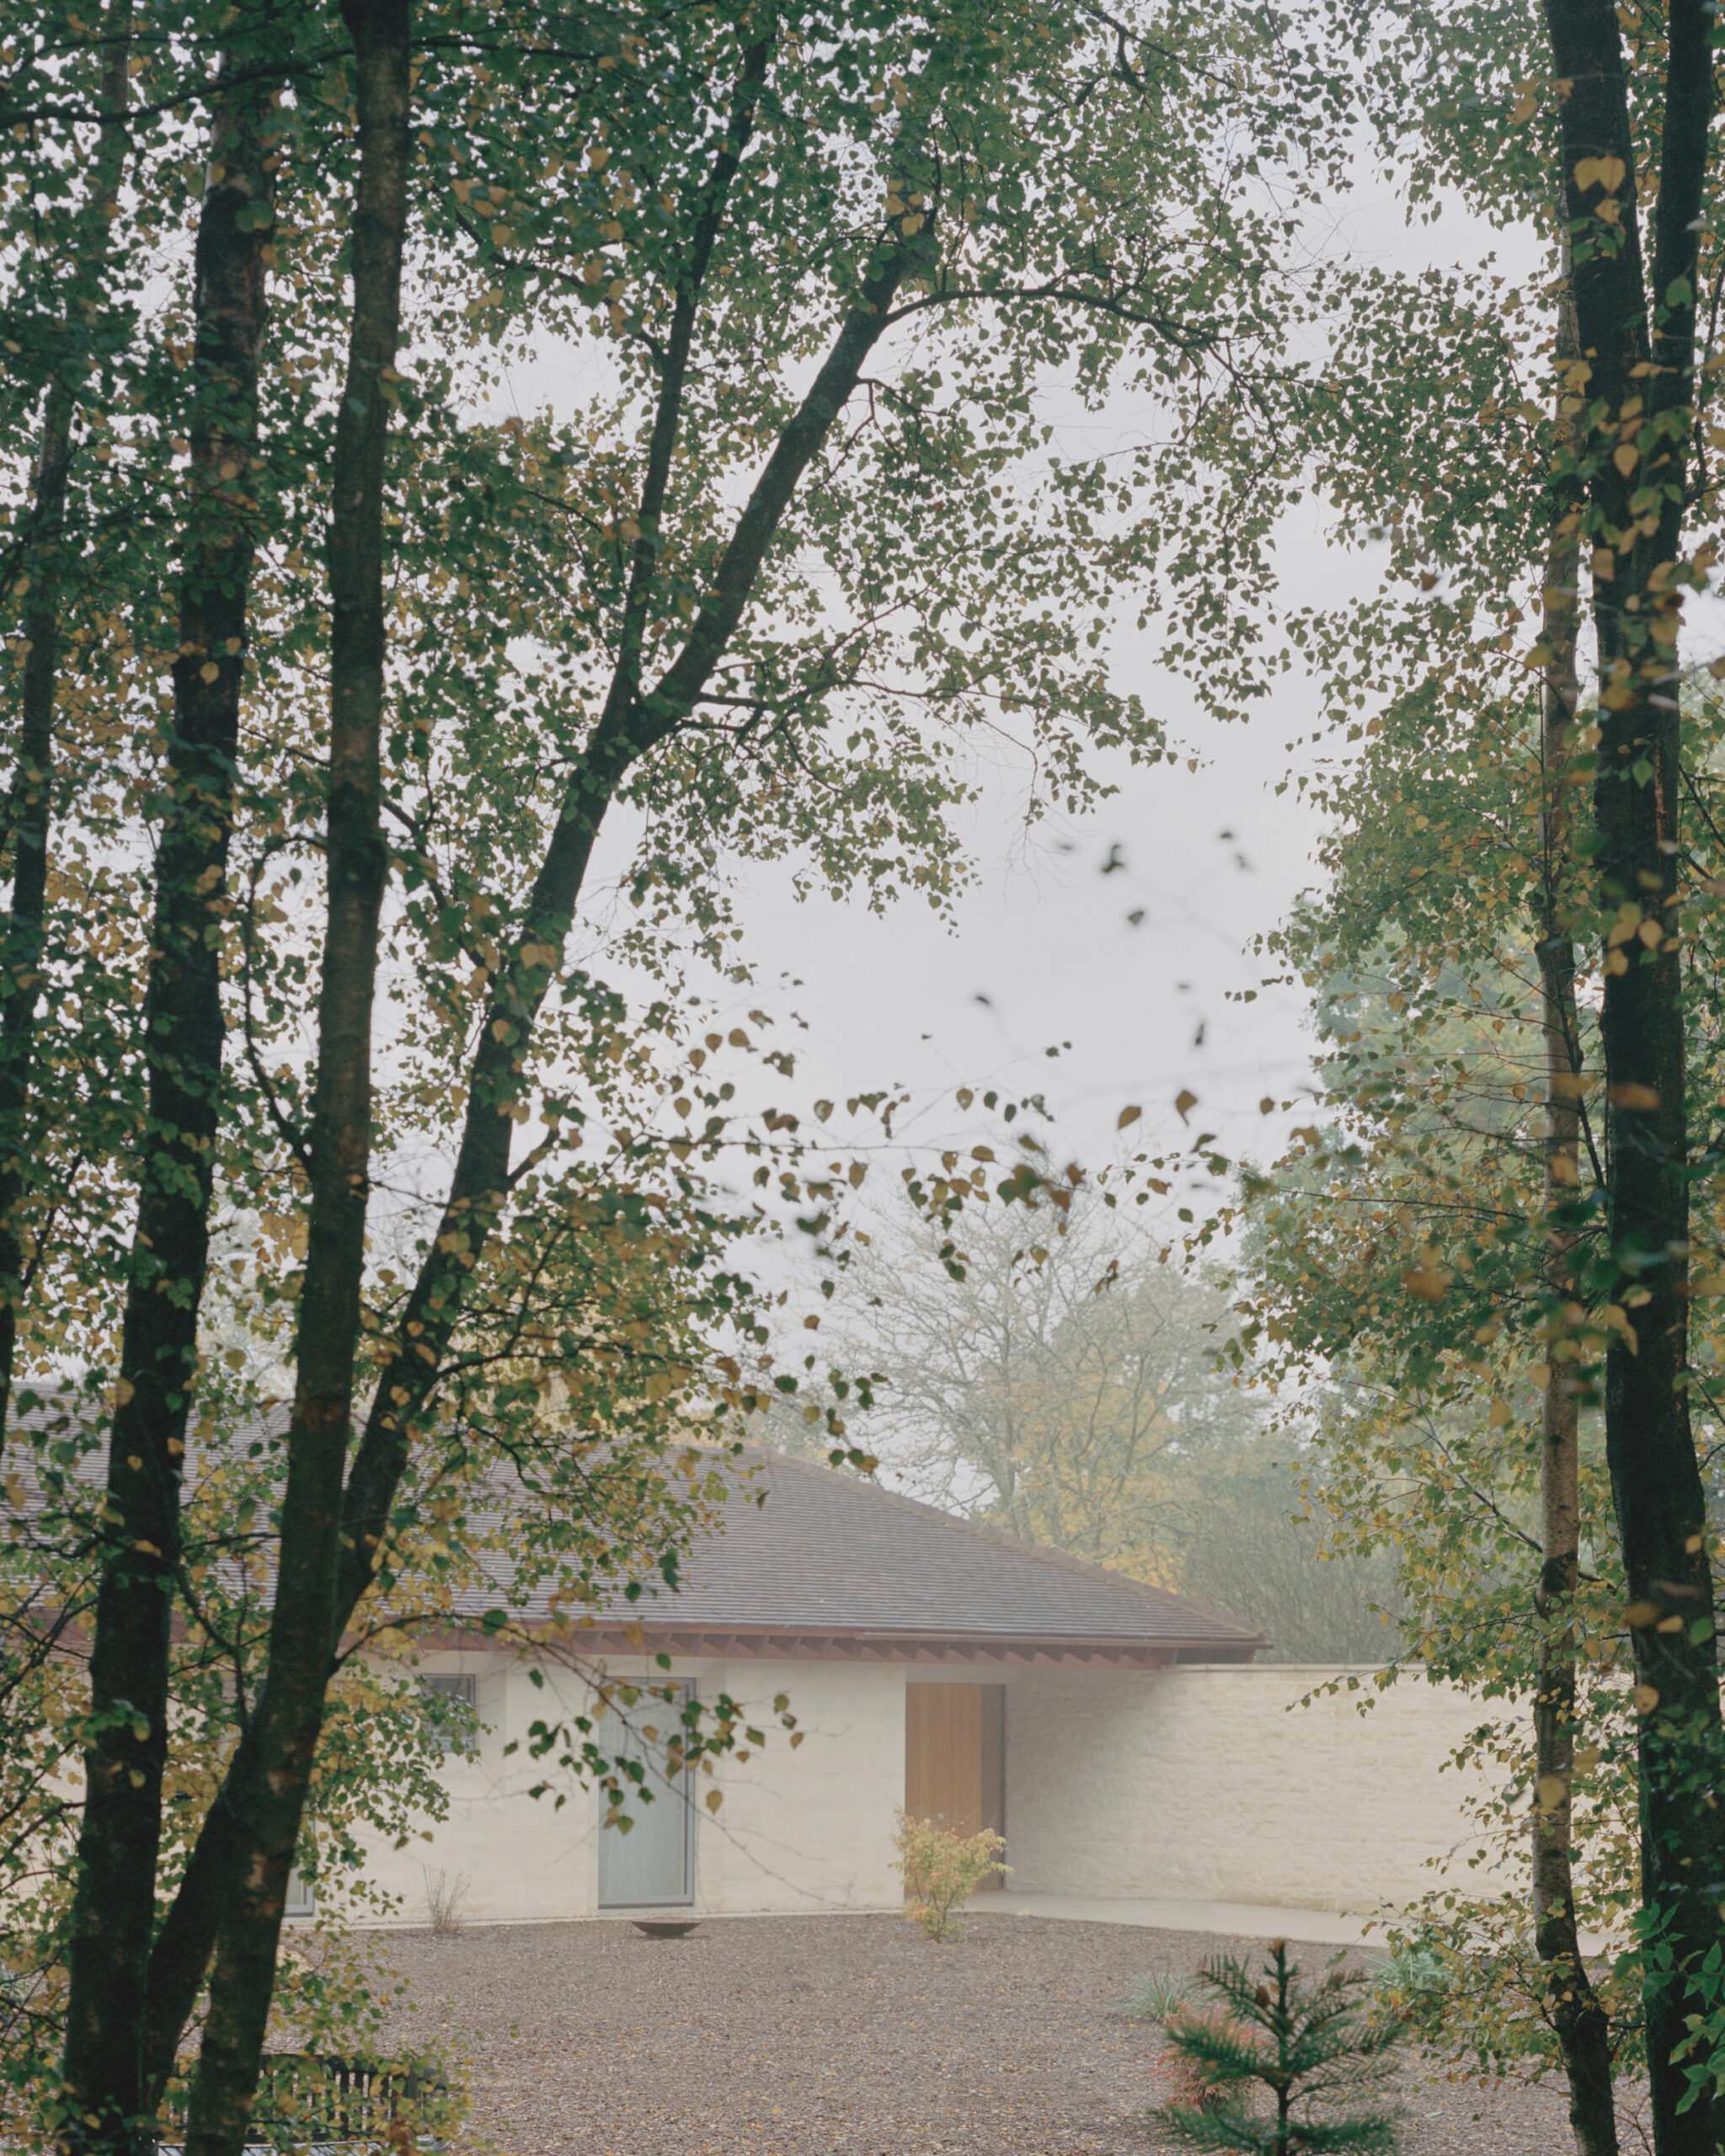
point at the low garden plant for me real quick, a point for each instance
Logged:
(942, 1871)
(1274, 2065)
(1156, 1996)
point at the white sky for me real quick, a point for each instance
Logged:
(1043, 936)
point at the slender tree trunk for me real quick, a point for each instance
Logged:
(1639, 388)
(30, 807)
(269, 1801)
(633, 722)
(114, 1910)
(1576, 2016)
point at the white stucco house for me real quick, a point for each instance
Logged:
(1120, 1737)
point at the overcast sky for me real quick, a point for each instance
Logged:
(1043, 951)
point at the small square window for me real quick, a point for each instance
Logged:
(464, 1689)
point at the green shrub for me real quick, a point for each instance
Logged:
(1156, 1996)
(1264, 2071)
(942, 1871)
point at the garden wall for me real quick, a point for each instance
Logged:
(1212, 1783)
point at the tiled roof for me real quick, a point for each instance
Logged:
(828, 1552)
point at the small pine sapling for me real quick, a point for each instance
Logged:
(1276, 2061)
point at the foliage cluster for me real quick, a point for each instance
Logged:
(328, 1067)
(941, 1870)
(1281, 2064)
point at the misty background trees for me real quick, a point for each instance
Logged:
(1071, 1387)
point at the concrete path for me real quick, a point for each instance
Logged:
(1238, 1920)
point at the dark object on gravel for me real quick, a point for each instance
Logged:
(665, 1927)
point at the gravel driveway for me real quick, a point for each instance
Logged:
(790, 2036)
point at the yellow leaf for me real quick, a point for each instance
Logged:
(209, 671)
(715, 1797)
(1626, 456)
(1550, 1791)
(1607, 173)
(1645, 1698)
(1641, 1612)
(1629, 1095)
(1428, 1282)
(1183, 1103)
(1499, 1415)
(1131, 1115)
(1523, 109)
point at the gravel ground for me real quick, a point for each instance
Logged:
(794, 2035)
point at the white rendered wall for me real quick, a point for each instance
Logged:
(522, 1858)
(1209, 1784)
(810, 1828)
(1186, 1785)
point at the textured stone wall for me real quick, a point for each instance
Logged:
(522, 1858)
(1212, 1783)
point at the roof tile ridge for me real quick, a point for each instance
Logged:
(1061, 1559)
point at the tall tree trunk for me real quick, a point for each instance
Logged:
(1636, 426)
(633, 720)
(113, 1908)
(269, 1801)
(633, 723)
(30, 805)
(1578, 2017)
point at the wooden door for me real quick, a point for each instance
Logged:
(955, 1756)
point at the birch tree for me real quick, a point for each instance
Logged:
(369, 675)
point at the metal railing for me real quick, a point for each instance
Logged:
(309, 2101)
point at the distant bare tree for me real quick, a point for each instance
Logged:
(1057, 1391)
(1066, 1389)
(1247, 1542)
